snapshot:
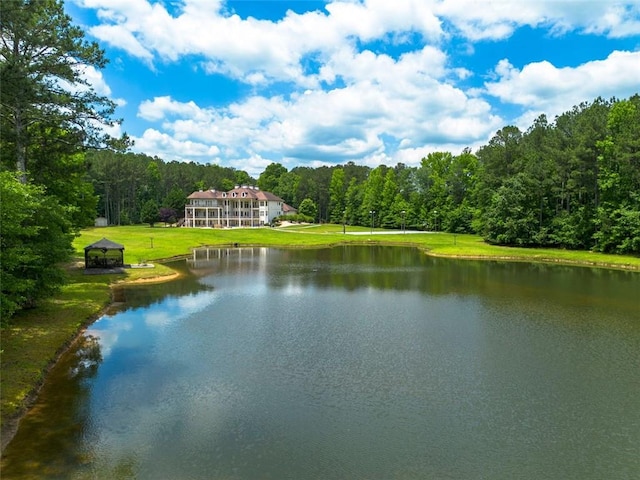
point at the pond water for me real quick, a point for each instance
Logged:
(348, 363)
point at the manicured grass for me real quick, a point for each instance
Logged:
(36, 337)
(143, 243)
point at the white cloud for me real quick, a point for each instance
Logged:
(542, 86)
(497, 19)
(120, 37)
(261, 51)
(358, 104)
(255, 51)
(254, 165)
(373, 19)
(165, 146)
(386, 100)
(161, 107)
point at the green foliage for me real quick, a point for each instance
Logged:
(372, 195)
(308, 208)
(48, 110)
(175, 199)
(268, 180)
(287, 188)
(36, 237)
(618, 212)
(580, 177)
(353, 202)
(389, 211)
(510, 218)
(619, 230)
(337, 191)
(149, 213)
(296, 218)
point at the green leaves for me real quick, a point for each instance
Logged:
(36, 237)
(45, 100)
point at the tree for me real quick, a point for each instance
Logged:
(511, 216)
(268, 180)
(337, 190)
(176, 200)
(149, 213)
(618, 213)
(497, 162)
(36, 237)
(167, 215)
(287, 188)
(45, 100)
(372, 194)
(353, 202)
(461, 183)
(308, 208)
(388, 215)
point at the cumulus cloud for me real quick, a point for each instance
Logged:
(162, 107)
(350, 123)
(497, 19)
(347, 97)
(161, 144)
(545, 87)
(253, 50)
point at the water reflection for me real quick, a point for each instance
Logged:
(351, 362)
(143, 295)
(50, 450)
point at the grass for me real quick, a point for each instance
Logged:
(149, 244)
(36, 337)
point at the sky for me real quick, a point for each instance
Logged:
(243, 83)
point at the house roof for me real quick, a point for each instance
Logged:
(206, 194)
(106, 244)
(288, 208)
(240, 192)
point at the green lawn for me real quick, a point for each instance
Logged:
(143, 243)
(36, 337)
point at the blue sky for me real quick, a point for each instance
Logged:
(310, 83)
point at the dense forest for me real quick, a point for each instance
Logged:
(571, 183)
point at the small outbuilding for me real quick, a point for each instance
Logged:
(104, 254)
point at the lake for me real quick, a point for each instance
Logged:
(355, 362)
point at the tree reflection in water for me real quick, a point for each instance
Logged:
(67, 390)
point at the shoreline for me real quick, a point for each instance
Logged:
(549, 260)
(11, 424)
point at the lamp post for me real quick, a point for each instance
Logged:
(403, 228)
(373, 214)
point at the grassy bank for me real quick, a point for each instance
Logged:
(36, 337)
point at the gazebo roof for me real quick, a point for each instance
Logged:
(104, 243)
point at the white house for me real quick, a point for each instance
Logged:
(244, 206)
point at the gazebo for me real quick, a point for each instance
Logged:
(104, 254)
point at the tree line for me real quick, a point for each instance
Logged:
(570, 183)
